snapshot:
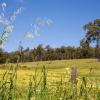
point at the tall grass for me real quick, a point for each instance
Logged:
(72, 88)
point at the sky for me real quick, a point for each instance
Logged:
(48, 22)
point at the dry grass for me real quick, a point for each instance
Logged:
(56, 69)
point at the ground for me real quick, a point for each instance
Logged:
(57, 69)
(33, 81)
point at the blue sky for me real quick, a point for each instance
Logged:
(68, 18)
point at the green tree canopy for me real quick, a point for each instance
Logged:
(92, 35)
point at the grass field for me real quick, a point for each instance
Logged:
(55, 72)
(56, 69)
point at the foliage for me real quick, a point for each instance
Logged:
(47, 53)
(72, 88)
(92, 35)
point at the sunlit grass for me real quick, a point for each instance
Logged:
(52, 82)
(56, 69)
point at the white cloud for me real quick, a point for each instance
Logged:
(40, 23)
(4, 21)
(49, 22)
(36, 32)
(8, 24)
(29, 35)
(9, 29)
(3, 5)
(43, 22)
(37, 26)
(17, 12)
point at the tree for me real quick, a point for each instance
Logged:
(3, 57)
(39, 52)
(92, 35)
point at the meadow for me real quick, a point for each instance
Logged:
(50, 80)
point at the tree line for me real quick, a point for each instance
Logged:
(46, 53)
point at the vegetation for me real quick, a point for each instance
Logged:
(92, 35)
(52, 80)
(57, 80)
(46, 54)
